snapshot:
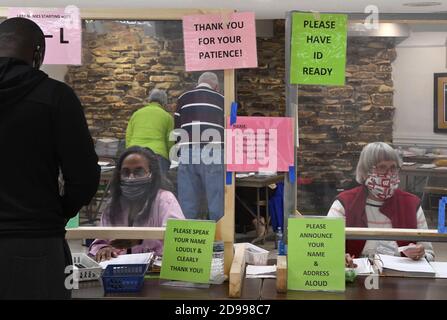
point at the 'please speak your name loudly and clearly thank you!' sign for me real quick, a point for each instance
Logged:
(188, 250)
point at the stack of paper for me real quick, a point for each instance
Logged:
(136, 258)
(406, 267)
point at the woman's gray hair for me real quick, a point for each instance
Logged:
(371, 155)
(159, 96)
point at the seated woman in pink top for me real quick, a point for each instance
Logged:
(140, 198)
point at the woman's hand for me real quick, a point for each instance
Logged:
(125, 243)
(349, 261)
(106, 253)
(415, 251)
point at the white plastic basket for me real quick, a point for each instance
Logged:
(91, 271)
(254, 254)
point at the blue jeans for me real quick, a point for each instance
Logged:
(164, 164)
(195, 179)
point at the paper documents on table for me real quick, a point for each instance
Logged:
(136, 258)
(363, 266)
(406, 267)
(427, 166)
(440, 269)
(260, 271)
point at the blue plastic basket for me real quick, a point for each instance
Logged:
(124, 277)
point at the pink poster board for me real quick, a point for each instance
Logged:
(256, 144)
(62, 29)
(220, 41)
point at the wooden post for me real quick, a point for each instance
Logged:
(225, 226)
(116, 233)
(281, 274)
(237, 272)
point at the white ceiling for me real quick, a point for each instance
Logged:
(265, 9)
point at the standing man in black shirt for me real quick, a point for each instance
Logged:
(42, 130)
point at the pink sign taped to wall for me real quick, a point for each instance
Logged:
(62, 29)
(260, 144)
(220, 41)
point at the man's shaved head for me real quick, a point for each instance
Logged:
(22, 39)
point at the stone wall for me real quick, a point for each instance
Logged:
(334, 122)
(262, 89)
(119, 69)
(121, 66)
(337, 122)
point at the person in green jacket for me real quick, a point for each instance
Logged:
(150, 127)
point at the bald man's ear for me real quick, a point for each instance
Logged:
(38, 57)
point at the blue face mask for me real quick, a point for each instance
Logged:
(133, 189)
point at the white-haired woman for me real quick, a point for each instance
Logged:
(378, 203)
(150, 127)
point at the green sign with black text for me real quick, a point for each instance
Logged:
(318, 49)
(316, 254)
(188, 250)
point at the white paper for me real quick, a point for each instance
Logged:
(440, 269)
(103, 163)
(363, 266)
(107, 168)
(260, 271)
(427, 166)
(408, 163)
(405, 264)
(136, 258)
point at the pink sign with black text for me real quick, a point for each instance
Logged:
(62, 29)
(256, 144)
(220, 41)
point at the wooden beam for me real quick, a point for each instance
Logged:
(237, 272)
(351, 233)
(137, 13)
(116, 233)
(281, 274)
(395, 234)
(225, 226)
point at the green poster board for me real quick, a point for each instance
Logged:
(316, 254)
(73, 222)
(188, 250)
(318, 49)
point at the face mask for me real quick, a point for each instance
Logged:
(382, 186)
(133, 189)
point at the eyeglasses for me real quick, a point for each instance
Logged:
(135, 173)
(384, 169)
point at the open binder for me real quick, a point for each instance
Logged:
(387, 265)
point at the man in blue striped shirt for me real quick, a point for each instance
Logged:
(200, 119)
